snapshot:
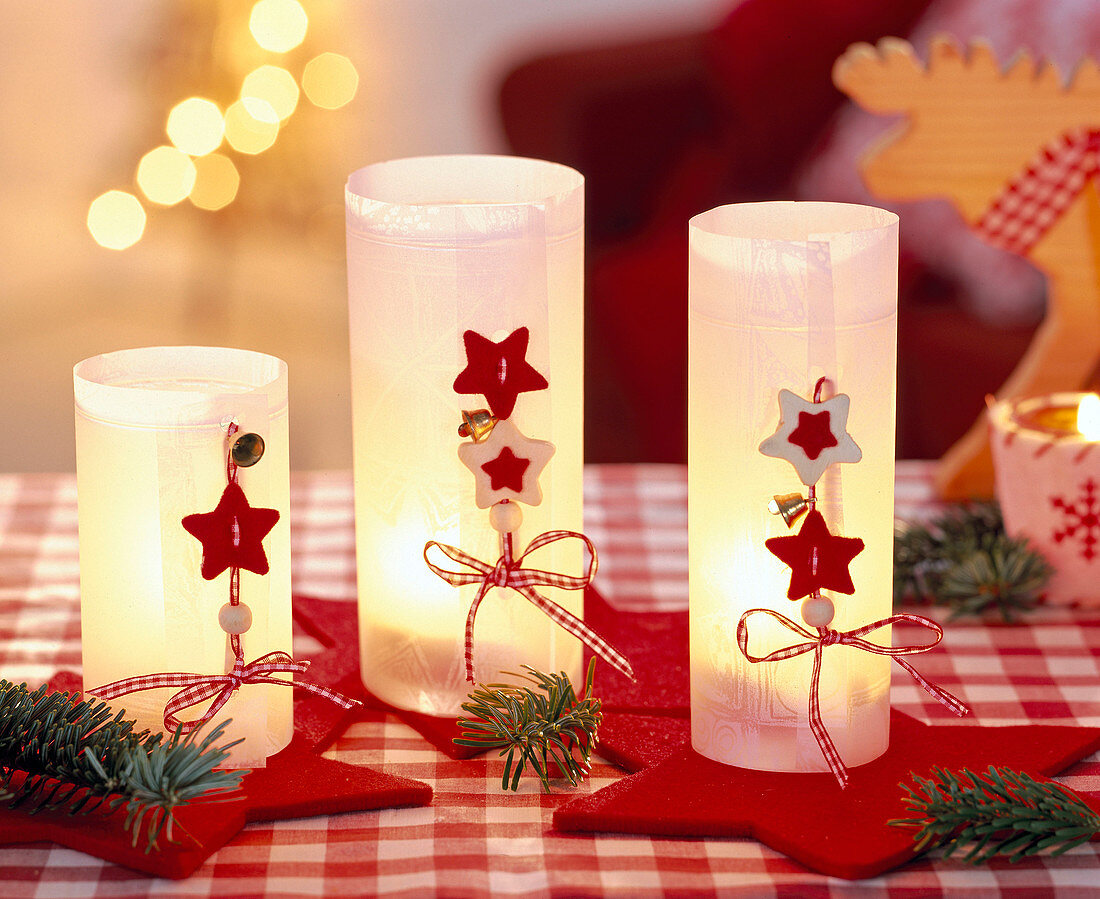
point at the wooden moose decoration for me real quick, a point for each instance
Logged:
(1017, 151)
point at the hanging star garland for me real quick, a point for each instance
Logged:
(506, 465)
(221, 548)
(818, 560)
(499, 371)
(812, 435)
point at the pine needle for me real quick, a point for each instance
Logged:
(964, 560)
(60, 752)
(534, 728)
(1002, 813)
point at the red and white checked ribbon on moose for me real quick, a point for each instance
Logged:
(507, 572)
(825, 636)
(1039, 195)
(200, 687)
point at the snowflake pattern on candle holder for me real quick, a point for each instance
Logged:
(1081, 519)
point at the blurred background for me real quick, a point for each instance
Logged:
(133, 215)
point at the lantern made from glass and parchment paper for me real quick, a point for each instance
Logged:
(780, 295)
(151, 444)
(438, 246)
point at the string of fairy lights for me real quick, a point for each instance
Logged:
(190, 167)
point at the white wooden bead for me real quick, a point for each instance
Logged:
(506, 517)
(818, 611)
(235, 619)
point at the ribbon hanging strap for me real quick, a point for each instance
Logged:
(825, 636)
(201, 687)
(508, 572)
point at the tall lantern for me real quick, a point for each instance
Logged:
(153, 429)
(437, 247)
(782, 295)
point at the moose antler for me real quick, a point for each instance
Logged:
(889, 77)
(880, 78)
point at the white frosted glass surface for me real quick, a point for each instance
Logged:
(437, 246)
(151, 429)
(781, 294)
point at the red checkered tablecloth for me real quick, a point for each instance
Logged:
(474, 839)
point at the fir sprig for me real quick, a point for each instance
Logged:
(1003, 812)
(58, 752)
(964, 560)
(536, 728)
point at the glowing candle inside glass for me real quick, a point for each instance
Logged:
(151, 444)
(1046, 462)
(781, 294)
(1088, 416)
(437, 246)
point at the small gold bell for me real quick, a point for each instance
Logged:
(791, 506)
(247, 449)
(477, 424)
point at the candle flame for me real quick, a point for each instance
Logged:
(1088, 417)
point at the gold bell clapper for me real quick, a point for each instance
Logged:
(791, 506)
(478, 424)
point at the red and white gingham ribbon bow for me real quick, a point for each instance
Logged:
(508, 573)
(828, 637)
(1039, 195)
(200, 687)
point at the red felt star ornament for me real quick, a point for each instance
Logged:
(506, 471)
(842, 833)
(817, 559)
(499, 371)
(221, 548)
(813, 433)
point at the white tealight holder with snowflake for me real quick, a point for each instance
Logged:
(1046, 456)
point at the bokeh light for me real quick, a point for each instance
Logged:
(196, 126)
(216, 182)
(251, 125)
(330, 80)
(116, 220)
(166, 175)
(278, 25)
(274, 85)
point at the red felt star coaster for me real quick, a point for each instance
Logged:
(506, 471)
(296, 783)
(221, 548)
(335, 624)
(841, 833)
(818, 560)
(657, 645)
(656, 641)
(499, 371)
(813, 433)
(637, 742)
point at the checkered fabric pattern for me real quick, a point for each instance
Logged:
(1037, 197)
(475, 840)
